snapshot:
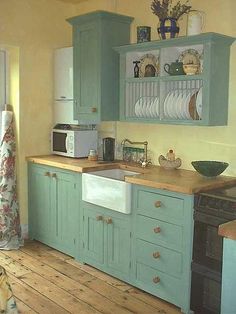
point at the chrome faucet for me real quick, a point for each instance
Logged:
(144, 161)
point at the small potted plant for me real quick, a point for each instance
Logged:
(168, 14)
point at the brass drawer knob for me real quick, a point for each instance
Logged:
(157, 204)
(156, 254)
(93, 109)
(156, 279)
(54, 175)
(99, 218)
(157, 229)
(47, 174)
(108, 220)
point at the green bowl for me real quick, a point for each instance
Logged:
(209, 168)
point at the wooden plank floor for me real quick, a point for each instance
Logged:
(46, 281)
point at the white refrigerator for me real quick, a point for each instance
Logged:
(63, 86)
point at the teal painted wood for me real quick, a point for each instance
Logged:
(93, 237)
(40, 214)
(107, 243)
(67, 211)
(54, 207)
(173, 242)
(96, 64)
(119, 245)
(228, 300)
(214, 78)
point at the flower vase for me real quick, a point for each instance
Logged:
(168, 28)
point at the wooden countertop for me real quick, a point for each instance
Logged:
(179, 180)
(228, 230)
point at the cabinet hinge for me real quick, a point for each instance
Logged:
(74, 241)
(74, 185)
(83, 217)
(83, 245)
(130, 234)
(130, 264)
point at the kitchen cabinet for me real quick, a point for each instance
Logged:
(163, 231)
(96, 64)
(106, 240)
(159, 94)
(54, 207)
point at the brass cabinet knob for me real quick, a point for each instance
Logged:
(94, 109)
(157, 229)
(156, 254)
(99, 218)
(157, 204)
(156, 279)
(54, 175)
(108, 220)
(47, 174)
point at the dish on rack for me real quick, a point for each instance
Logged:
(149, 65)
(199, 102)
(190, 56)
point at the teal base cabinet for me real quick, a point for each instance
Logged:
(162, 251)
(106, 240)
(228, 300)
(54, 207)
(96, 64)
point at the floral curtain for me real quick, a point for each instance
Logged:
(10, 232)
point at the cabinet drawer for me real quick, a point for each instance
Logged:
(159, 232)
(160, 206)
(159, 283)
(158, 257)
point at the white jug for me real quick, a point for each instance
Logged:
(195, 22)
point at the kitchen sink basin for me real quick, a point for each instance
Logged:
(108, 188)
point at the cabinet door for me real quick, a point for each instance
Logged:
(93, 237)
(118, 244)
(40, 214)
(86, 71)
(66, 210)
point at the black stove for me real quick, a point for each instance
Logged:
(211, 209)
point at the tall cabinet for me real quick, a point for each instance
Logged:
(96, 64)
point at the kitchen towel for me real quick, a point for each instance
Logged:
(10, 231)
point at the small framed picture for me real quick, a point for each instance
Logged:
(143, 34)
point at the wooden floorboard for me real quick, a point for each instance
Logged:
(46, 281)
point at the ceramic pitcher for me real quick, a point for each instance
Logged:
(195, 22)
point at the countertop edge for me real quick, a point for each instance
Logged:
(228, 230)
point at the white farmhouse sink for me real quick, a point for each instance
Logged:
(107, 188)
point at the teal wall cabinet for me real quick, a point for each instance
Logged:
(96, 64)
(54, 207)
(156, 96)
(163, 232)
(107, 240)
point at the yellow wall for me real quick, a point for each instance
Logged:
(31, 30)
(190, 143)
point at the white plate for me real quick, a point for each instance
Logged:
(179, 105)
(199, 102)
(165, 105)
(156, 107)
(170, 105)
(137, 108)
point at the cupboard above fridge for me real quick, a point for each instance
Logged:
(177, 81)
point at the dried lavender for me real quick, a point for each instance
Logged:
(164, 9)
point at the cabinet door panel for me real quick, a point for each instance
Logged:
(118, 245)
(86, 72)
(40, 216)
(93, 237)
(66, 211)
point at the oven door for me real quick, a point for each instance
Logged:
(207, 244)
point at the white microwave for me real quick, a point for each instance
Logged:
(73, 143)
